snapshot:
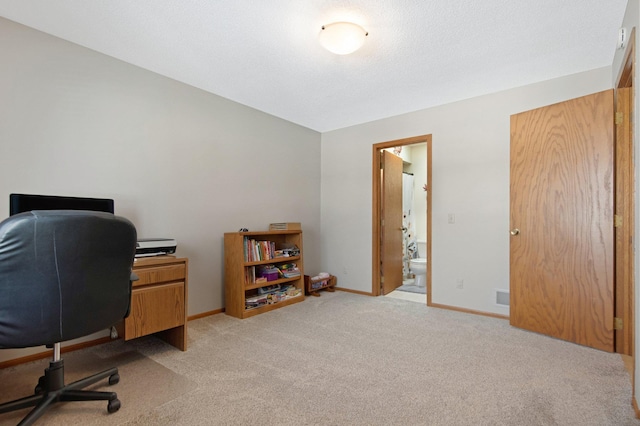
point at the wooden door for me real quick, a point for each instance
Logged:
(562, 243)
(391, 224)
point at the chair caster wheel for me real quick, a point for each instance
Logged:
(39, 389)
(114, 378)
(113, 406)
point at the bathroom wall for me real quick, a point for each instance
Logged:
(418, 166)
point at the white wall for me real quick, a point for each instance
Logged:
(470, 173)
(179, 162)
(418, 155)
(631, 21)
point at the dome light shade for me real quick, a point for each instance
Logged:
(342, 38)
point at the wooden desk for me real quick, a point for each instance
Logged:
(159, 300)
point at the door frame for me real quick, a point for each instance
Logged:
(377, 209)
(624, 283)
(624, 226)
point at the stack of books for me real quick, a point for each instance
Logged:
(289, 270)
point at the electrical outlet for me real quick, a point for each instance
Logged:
(459, 283)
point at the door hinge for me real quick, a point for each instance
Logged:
(381, 280)
(617, 323)
(619, 117)
(617, 221)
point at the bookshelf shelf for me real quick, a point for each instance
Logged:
(249, 286)
(276, 259)
(266, 308)
(245, 255)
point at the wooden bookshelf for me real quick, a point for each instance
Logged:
(240, 269)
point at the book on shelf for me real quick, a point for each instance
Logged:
(250, 275)
(255, 251)
(289, 270)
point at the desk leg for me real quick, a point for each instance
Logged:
(176, 336)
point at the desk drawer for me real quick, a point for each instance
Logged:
(159, 274)
(155, 309)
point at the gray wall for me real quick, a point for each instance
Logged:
(179, 162)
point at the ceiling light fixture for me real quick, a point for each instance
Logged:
(342, 38)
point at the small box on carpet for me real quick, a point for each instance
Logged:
(323, 281)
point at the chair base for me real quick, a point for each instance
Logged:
(51, 389)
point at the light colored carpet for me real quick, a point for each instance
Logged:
(345, 359)
(144, 385)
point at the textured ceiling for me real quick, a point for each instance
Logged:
(265, 53)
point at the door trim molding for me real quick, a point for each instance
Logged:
(376, 209)
(624, 234)
(626, 78)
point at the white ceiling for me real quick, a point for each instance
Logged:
(265, 53)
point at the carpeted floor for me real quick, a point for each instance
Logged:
(142, 380)
(345, 359)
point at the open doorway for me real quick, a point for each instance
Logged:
(393, 245)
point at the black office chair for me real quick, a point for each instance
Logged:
(64, 274)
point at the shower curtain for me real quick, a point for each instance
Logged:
(409, 243)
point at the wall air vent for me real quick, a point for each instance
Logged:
(502, 297)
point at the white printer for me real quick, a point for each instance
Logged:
(155, 246)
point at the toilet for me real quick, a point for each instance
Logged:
(419, 265)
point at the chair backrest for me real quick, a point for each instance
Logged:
(64, 274)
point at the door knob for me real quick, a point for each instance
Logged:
(515, 231)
